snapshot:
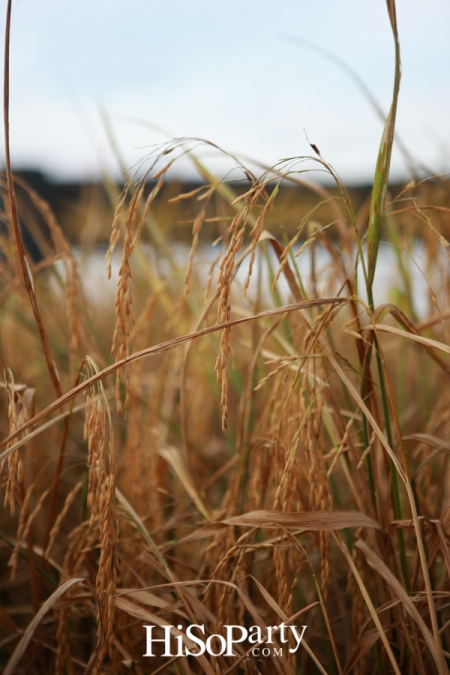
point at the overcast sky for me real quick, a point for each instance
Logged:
(225, 72)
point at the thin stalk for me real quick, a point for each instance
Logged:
(28, 279)
(376, 215)
(395, 487)
(24, 266)
(370, 475)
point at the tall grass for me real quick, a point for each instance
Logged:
(204, 451)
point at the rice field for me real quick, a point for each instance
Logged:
(245, 452)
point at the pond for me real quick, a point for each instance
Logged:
(396, 270)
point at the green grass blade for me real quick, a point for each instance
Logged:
(381, 178)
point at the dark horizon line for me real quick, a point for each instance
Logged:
(36, 176)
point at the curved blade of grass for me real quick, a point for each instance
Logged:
(381, 178)
(173, 457)
(32, 434)
(398, 468)
(410, 327)
(26, 272)
(369, 603)
(377, 206)
(29, 631)
(425, 342)
(141, 529)
(365, 644)
(377, 564)
(134, 517)
(360, 83)
(151, 351)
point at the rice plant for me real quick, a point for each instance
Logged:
(246, 440)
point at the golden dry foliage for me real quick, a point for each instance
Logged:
(14, 461)
(284, 456)
(293, 516)
(133, 222)
(101, 500)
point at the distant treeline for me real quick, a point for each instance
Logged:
(82, 207)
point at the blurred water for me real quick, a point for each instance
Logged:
(388, 279)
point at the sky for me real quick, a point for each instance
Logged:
(227, 72)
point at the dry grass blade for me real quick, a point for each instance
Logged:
(434, 442)
(139, 612)
(26, 273)
(365, 643)
(173, 457)
(336, 428)
(426, 342)
(47, 425)
(145, 597)
(134, 517)
(158, 349)
(370, 605)
(420, 544)
(287, 271)
(410, 328)
(377, 564)
(318, 521)
(276, 607)
(29, 632)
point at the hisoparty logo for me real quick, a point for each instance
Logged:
(178, 643)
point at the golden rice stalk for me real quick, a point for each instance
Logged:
(221, 370)
(257, 231)
(226, 270)
(134, 220)
(57, 526)
(138, 455)
(15, 465)
(63, 662)
(101, 500)
(282, 557)
(312, 391)
(124, 299)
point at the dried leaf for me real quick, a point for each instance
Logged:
(145, 597)
(432, 441)
(426, 342)
(377, 564)
(29, 631)
(317, 521)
